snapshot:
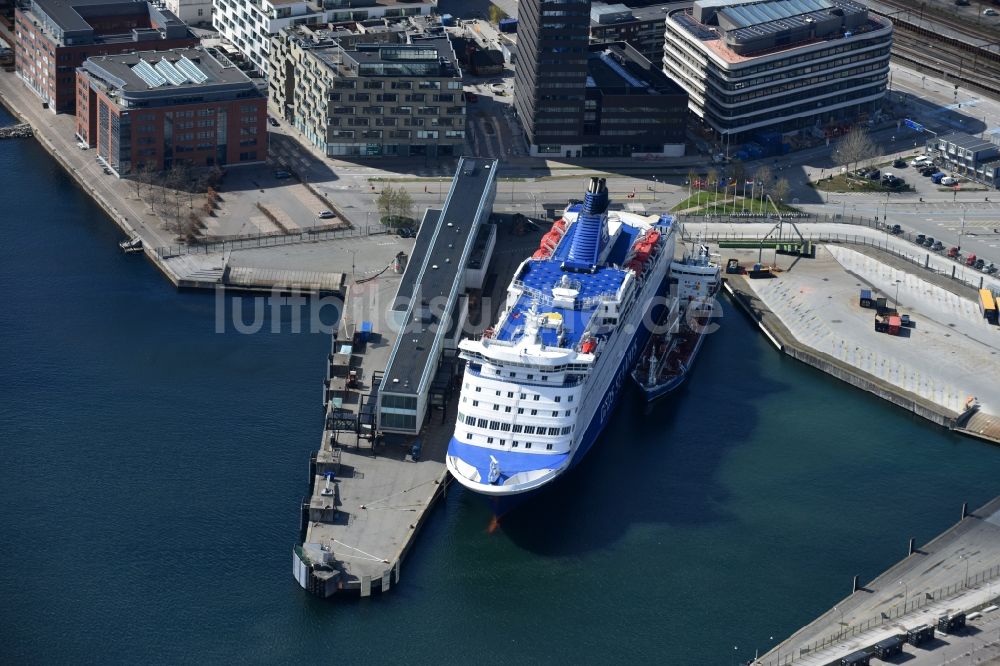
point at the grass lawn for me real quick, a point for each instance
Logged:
(712, 203)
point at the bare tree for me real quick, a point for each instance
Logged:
(854, 147)
(765, 181)
(781, 189)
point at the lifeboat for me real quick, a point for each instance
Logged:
(588, 346)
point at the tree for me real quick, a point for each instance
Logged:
(395, 206)
(781, 189)
(854, 147)
(496, 14)
(692, 177)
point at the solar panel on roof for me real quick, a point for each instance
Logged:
(169, 72)
(191, 70)
(146, 72)
(751, 14)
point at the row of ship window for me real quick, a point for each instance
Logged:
(503, 442)
(524, 396)
(504, 426)
(520, 410)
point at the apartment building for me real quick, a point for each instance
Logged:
(349, 95)
(250, 24)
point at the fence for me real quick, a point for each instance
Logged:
(968, 276)
(897, 611)
(268, 240)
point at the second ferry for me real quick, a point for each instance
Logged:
(541, 383)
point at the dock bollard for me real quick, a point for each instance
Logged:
(854, 586)
(965, 510)
(910, 550)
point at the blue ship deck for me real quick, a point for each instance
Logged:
(541, 275)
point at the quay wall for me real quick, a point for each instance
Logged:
(740, 293)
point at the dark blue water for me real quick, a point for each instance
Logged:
(152, 468)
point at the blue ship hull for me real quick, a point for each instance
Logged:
(504, 504)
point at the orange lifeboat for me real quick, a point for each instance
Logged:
(588, 346)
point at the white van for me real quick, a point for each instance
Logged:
(921, 160)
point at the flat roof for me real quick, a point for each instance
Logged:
(448, 241)
(408, 282)
(71, 15)
(637, 14)
(618, 69)
(167, 71)
(968, 142)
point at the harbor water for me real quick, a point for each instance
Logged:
(152, 470)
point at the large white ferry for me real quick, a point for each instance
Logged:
(540, 384)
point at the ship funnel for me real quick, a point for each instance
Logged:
(591, 234)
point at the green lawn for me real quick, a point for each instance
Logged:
(712, 203)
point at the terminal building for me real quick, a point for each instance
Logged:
(250, 24)
(778, 65)
(431, 307)
(54, 37)
(153, 109)
(392, 93)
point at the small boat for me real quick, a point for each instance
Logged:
(668, 356)
(133, 244)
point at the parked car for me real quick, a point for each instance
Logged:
(938, 246)
(920, 239)
(899, 164)
(874, 174)
(406, 232)
(991, 269)
(896, 229)
(325, 214)
(949, 180)
(936, 178)
(281, 175)
(979, 265)
(954, 252)
(971, 259)
(921, 161)
(929, 241)
(928, 171)
(274, 123)
(989, 11)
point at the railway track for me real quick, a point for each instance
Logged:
(954, 65)
(907, 11)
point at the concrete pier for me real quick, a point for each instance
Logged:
(811, 312)
(955, 573)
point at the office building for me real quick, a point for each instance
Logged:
(352, 96)
(153, 109)
(641, 26)
(54, 37)
(631, 108)
(250, 24)
(551, 74)
(776, 66)
(967, 155)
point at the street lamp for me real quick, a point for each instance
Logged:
(896, 300)
(842, 623)
(965, 582)
(906, 586)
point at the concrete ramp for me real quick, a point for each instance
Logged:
(266, 279)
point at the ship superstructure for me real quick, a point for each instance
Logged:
(540, 384)
(668, 356)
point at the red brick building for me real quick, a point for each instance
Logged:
(154, 109)
(54, 37)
